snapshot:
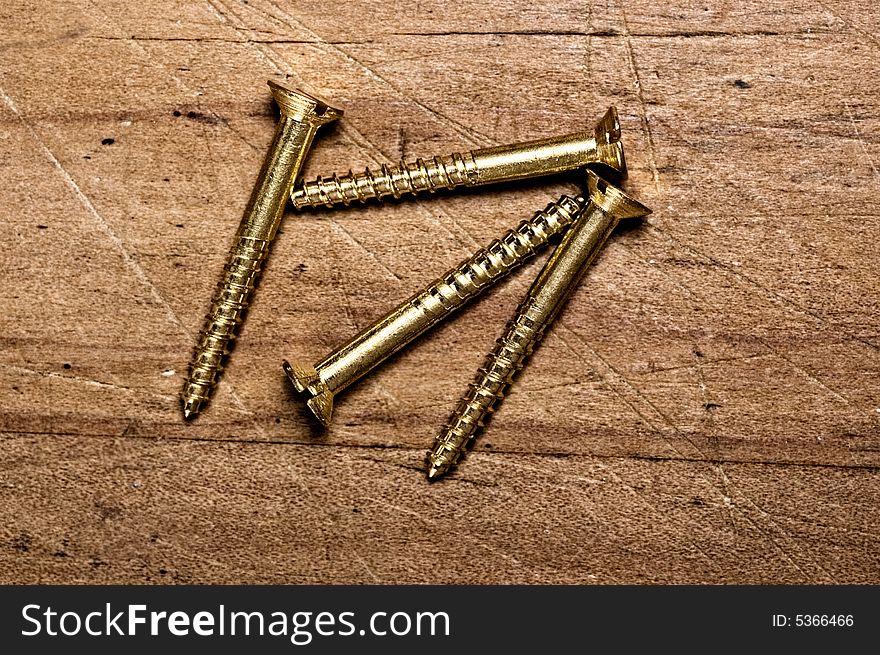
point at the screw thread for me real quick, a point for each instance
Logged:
(420, 175)
(497, 259)
(226, 315)
(493, 378)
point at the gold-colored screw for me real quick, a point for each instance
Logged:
(301, 115)
(474, 168)
(428, 307)
(608, 206)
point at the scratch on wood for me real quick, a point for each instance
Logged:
(366, 566)
(868, 35)
(427, 520)
(783, 549)
(812, 378)
(628, 385)
(611, 33)
(468, 132)
(371, 150)
(652, 150)
(87, 381)
(646, 500)
(713, 362)
(665, 419)
(219, 39)
(146, 54)
(366, 250)
(772, 295)
(102, 225)
(763, 291)
(852, 120)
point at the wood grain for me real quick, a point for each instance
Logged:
(706, 410)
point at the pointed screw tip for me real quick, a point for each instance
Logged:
(435, 472)
(189, 411)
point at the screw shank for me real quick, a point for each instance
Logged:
(282, 164)
(535, 158)
(569, 262)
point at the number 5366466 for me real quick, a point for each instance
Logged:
(823, 620)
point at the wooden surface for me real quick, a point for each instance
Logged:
(707, 408)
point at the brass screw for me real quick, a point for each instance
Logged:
(608, 206)
(428, 307)
(301, 115)
(474, 168)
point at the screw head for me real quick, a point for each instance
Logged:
(301, 106)
(612, 200)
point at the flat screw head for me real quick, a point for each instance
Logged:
(300, 106)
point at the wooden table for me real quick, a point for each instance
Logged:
(707, 408)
